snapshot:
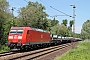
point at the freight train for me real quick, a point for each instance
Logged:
(27, 37)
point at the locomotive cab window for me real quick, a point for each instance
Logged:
(13, 32)
(19, 31)
(16, 31)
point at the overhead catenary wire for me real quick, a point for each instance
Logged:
(61, 12)
(27, 2)
(48, 6)
(45, 4)
(56, 10)
(57, 15)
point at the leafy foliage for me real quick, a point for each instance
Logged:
(4, 48)
(4, 15)
(85, 32)
(60, 30)
(71, 23)
(64, 22)
(54, 22)
(32, 15)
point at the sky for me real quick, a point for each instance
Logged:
(81, 11)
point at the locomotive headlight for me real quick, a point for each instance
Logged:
(10, 37)
(19, 37)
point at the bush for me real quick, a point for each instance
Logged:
(4, 48)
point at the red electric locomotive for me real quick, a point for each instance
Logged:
(23, 37)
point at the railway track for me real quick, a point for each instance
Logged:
(6, 53)
(31, 55)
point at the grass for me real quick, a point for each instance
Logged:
(4, 48)
(81, 52)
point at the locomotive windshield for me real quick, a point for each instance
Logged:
(16, 31)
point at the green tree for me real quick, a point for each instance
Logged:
(60, 30)
(65, 22)
(85, 32)
(55, 29)
(49, 24)
(2, 20)
(32, 15)
(4, 15)
(71, 23)
(63, 30)
(78, 35)
(54, 22)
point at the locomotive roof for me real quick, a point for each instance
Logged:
(39, 30)
(15, 28)
(30, 28)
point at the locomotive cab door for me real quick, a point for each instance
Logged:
(28, 37)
